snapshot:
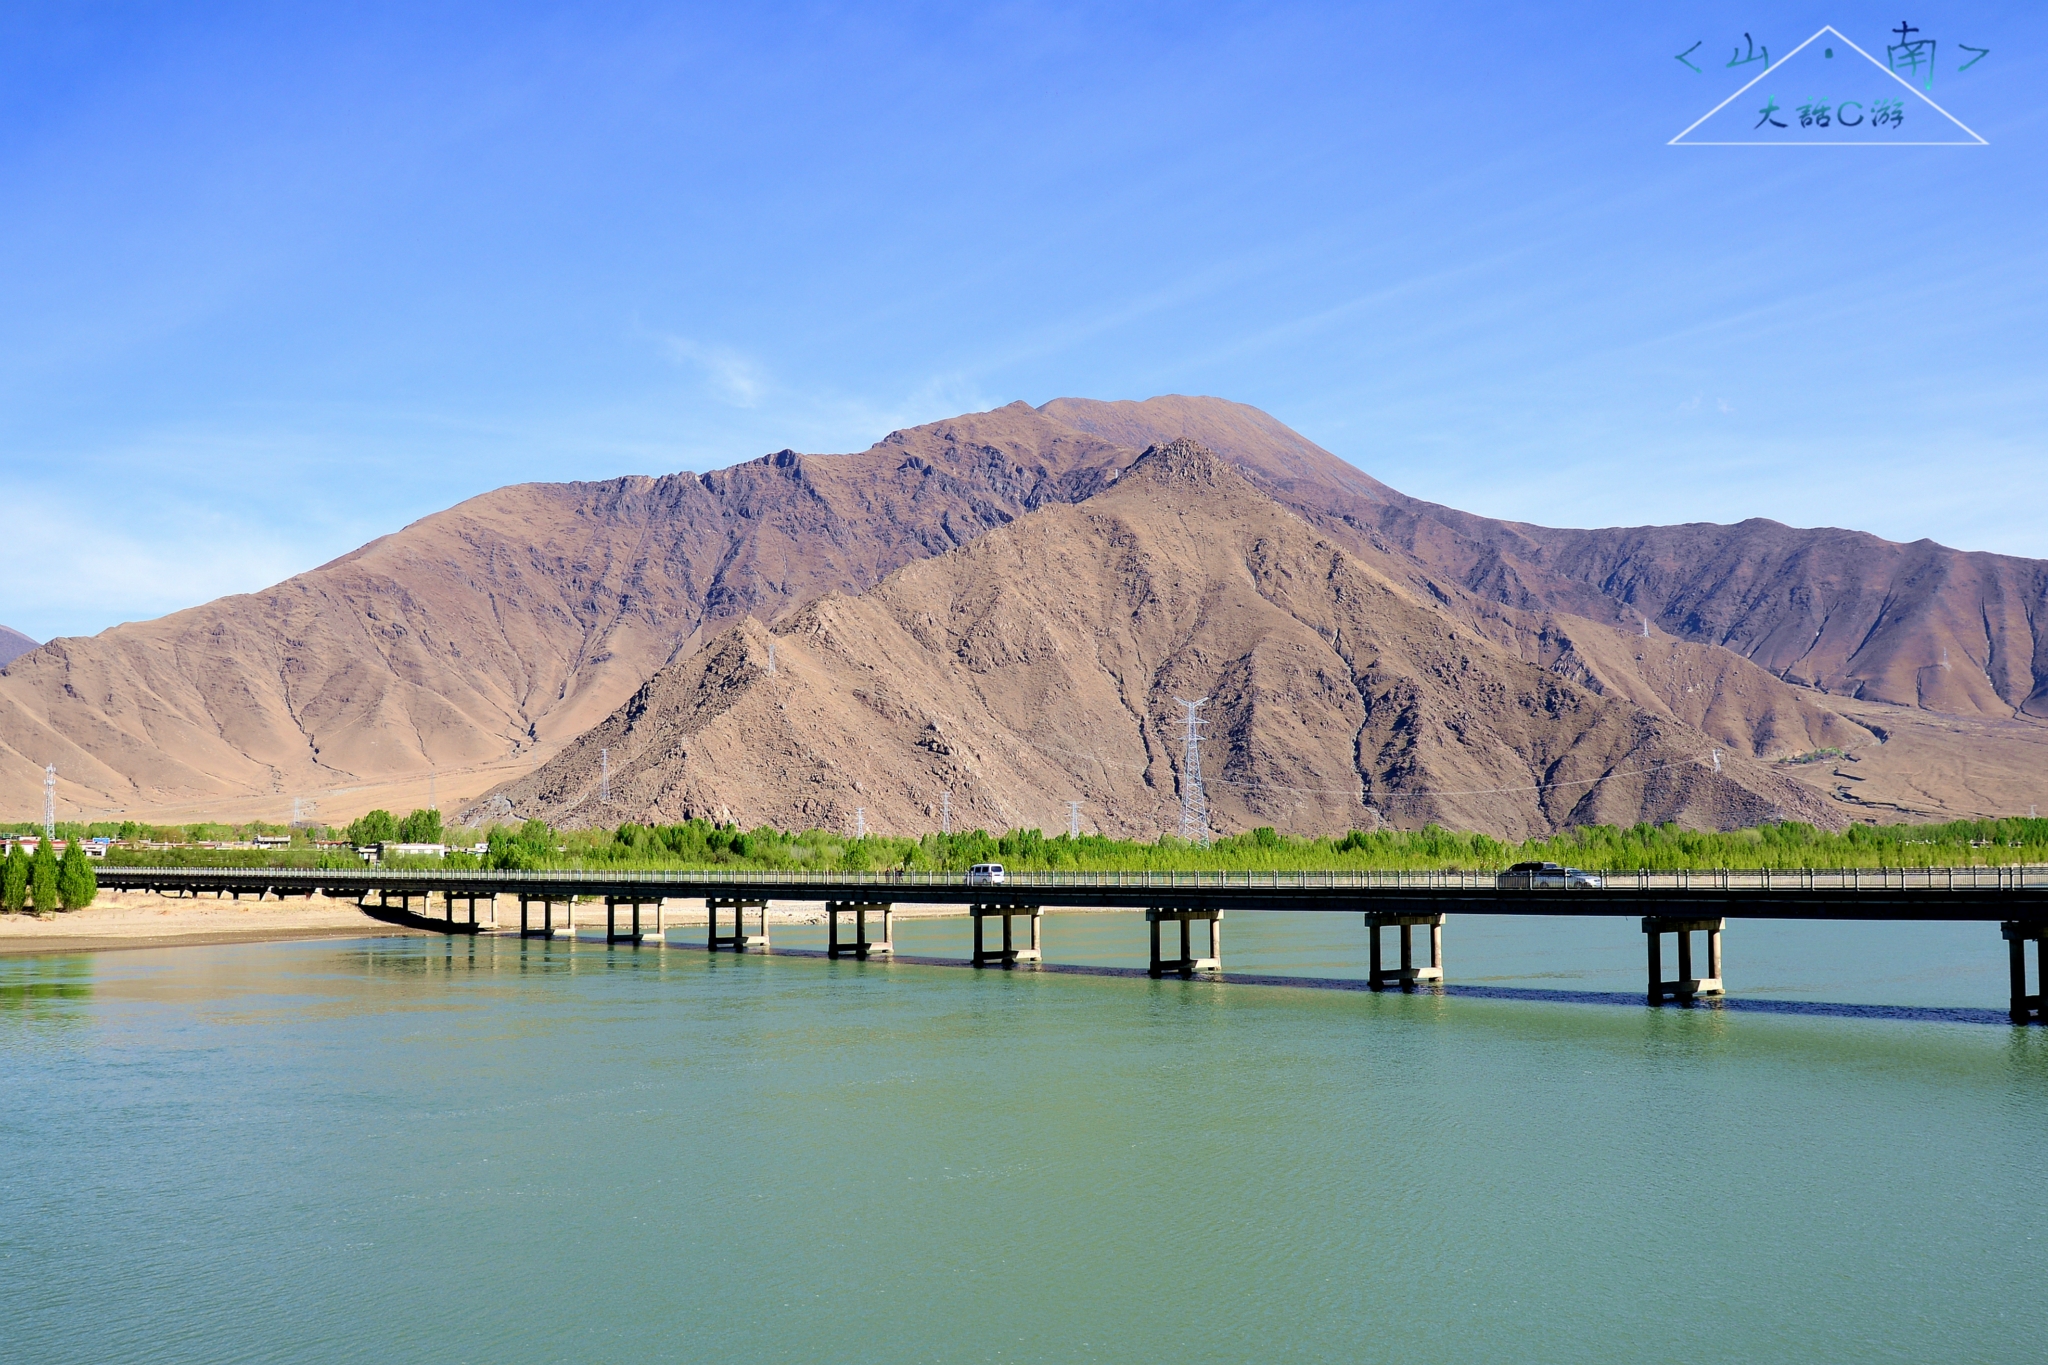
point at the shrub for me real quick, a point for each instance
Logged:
(375, 827)
(421, 827)
(42, 878)
(14, 881)
(77, 886)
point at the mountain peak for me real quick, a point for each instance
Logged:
(1186, 461)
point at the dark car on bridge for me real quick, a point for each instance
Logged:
(1547, 877)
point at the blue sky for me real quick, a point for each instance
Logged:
(279, 279)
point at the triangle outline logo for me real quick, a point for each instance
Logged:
(1971, 140)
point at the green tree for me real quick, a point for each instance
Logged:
(374, 828)
(14, 880)
(77, 887)
(421, 827)
(42, 878)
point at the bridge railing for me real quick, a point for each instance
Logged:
(2011, 877)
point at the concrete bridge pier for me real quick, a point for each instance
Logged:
(1687, 987)
(862, 946)
(1407, 976)
(470, 898)
(1187, 964)
(739, 940)
(1009, 955)
(634, 935)
(2028, 1009)
(548, 928)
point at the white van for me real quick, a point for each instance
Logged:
(985, 874)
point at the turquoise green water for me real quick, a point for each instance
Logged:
(431, 1150)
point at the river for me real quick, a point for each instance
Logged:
(431, 1149)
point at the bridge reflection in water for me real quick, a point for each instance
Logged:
(1679, 904)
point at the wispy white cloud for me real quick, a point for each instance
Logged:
(78, 563)
(735, 378)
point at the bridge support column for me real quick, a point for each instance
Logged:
(548, 928)
(739, 940)
(1687, 987)
(634, 935)
(2028, 1009)
(862, 946)
(1187, 964)
(1009, 955)
(1407, 976)
(470, 898)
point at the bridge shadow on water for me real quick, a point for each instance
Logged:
(1916, 1014)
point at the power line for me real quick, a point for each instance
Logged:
(1194, 805)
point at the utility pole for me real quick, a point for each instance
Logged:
(1194, 806)
(1073, 819)
(604, 776)
(945, 812)
(49, 808)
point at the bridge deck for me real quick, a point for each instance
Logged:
(1939, 894)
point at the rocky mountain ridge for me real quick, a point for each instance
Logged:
(477, 642)
(1042, 662)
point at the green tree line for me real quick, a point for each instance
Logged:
(1606, 848)
(46, 883)
(136, 831)
(696, 844)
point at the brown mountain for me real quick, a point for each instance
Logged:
(476, 642)
(1042, 663)
(1844, 612)
(13, 644)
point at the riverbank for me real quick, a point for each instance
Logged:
(136, 919)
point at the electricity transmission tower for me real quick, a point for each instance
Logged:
(860, 822)
(1073, 819)
(1194, 806)
(49, 807)
(945, 812)
(604, 776)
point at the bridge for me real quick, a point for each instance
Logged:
(1676, 904)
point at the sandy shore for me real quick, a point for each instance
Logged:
(136, 919)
